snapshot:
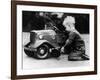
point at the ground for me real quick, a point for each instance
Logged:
(61, 62)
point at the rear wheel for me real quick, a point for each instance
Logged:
(42, 52)
(55, 53)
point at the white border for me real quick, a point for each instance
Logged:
(53, 9)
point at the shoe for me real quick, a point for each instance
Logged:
(78, 58)
(85, 57)
(75, 58)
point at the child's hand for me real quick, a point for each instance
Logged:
(62, 49)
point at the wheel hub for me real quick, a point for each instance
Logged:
(42, 51)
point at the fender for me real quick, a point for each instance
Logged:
(38, 43)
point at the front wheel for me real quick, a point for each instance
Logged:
(29, 53)
(42, 52)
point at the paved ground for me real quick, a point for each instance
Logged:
(31, 63)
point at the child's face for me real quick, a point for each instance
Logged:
(70, 26)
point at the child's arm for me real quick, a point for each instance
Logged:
(70, 38)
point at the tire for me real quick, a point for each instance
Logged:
(29, 53)
(42, 52)
(55, 53)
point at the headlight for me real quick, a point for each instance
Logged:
(40, 36)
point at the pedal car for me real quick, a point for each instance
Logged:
(45, 43)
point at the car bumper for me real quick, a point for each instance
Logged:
(29, 48)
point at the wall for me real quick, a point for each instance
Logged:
(29, 19)
(5, 39)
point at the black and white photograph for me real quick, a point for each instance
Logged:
(57, 40)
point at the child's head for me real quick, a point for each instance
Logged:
(69, 23)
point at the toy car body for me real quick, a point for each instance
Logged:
(44, 43)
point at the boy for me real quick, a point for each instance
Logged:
(74, 45)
